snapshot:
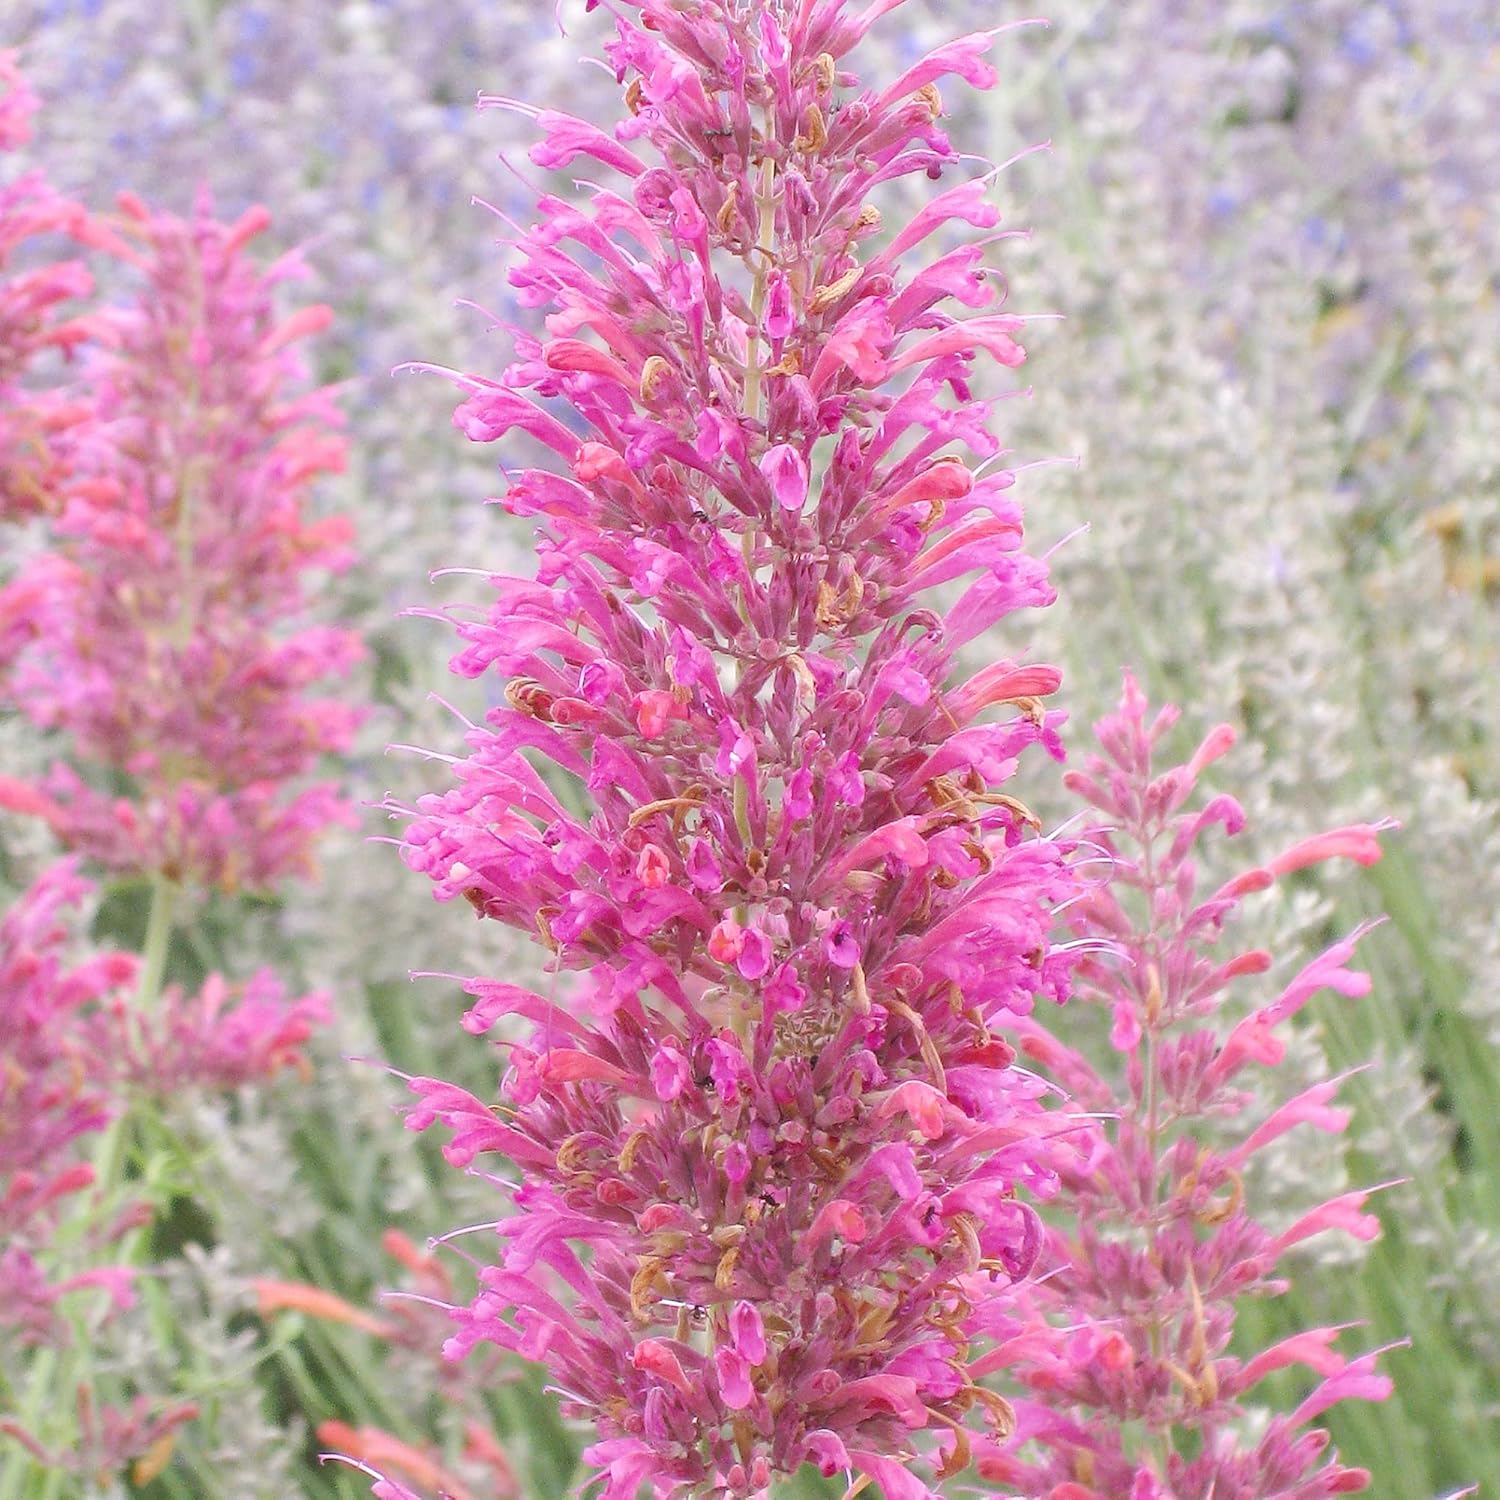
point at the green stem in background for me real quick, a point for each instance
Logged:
(114, 1145)
(158, 940)
(15, 1462)
(46, 1368)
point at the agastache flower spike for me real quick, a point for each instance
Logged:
(167, 637)
(1124, 1350)
(770, 1145)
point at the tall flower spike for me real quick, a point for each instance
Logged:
(167, 634)
(770, 1146)
(1125, 1348)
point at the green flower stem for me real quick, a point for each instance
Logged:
(158, 940)
(114, 1146)
(47, 1370)
(17, 1463)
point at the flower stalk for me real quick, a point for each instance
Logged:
(771, 1151)
(158, 941)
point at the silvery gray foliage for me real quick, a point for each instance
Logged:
(247, 1177)
(238, 1451)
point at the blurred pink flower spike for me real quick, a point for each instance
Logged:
(1123, 1345)
(166, 631)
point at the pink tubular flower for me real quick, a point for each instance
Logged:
(786, 471)
(1124, 1349)
(755, 1232)
(166, 639)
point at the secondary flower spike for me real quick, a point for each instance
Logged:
(168, 632)
(770, 1145)
(71, 1044)
(1124, 1349)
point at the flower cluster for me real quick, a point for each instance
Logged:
(31, 209)
(1284, 317)
(52, 1095)
(74, 1046)
(771, 1145)
(1124, 1351)
(163, 623)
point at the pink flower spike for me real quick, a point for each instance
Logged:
(1086, 1347)
(728, 788)
(192, 385)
